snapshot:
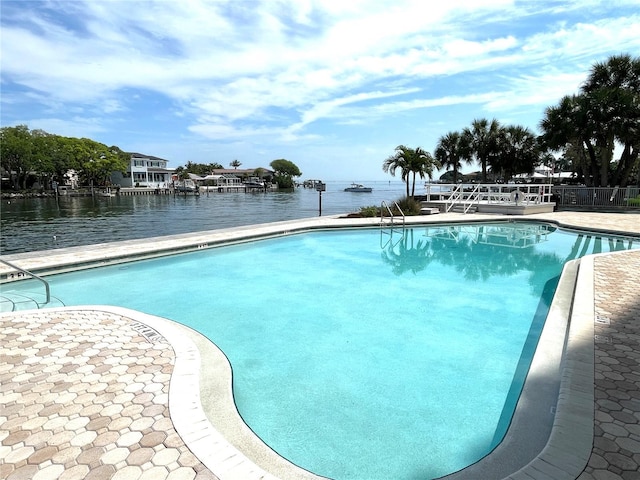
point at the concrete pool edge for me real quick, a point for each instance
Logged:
(575, 379)
(191, 412)
(567, 452)
(218, 405)
(532, 419)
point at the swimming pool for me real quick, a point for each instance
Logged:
(368, 287)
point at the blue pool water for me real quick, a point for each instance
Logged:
(364, 354)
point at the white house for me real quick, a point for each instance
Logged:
(222, 180)
(146, 171)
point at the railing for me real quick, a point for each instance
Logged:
(520, 194)
(597, 197)
(385, 206)
(475, 193)
(457, 194)
(26, 272)
(386, 235)
(473, 198)
(528, 194)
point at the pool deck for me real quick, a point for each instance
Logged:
(105, 392)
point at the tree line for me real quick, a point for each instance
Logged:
(28, 153)
(579, 134)
(25, 152)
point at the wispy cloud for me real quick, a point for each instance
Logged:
(282, 70)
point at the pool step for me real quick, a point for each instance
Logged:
(429, 210)
(464, 208)
(11, 301)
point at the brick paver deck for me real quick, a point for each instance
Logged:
(616, 449)
(85, 396)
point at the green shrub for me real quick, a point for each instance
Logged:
(371, 211)
(408, 205)
(635, 201)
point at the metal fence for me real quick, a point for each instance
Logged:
(596, 197)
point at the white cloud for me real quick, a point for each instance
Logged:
(465, 48)
(327, 108)
(280, 70)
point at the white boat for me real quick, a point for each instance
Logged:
(357, 187)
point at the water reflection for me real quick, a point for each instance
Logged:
(586, 244)
(479, 252)
(404, 252)
(513, 235)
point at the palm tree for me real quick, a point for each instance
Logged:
(422, 165)
(450, 152)
(605, 111)
(480, 142)
(518, 151)
(235, 164)
(410, 161)
(398, 161)
(614, 88)
(568, 125)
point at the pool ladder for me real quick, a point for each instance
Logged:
(385, 208)
(393, 223)
(15, 299)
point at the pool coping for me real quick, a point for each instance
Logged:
(564, 456)
(569, 447)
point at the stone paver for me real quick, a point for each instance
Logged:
(93, 433)
(616, 450)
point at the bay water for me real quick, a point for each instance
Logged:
(34, 224)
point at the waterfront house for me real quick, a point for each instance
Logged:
(145, 171)
(222, 180)
(245, 173)
(234, 179)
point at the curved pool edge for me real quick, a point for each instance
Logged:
(200, 396)
(232, 450)
(560, 453)
(567, 452)
(214, 388)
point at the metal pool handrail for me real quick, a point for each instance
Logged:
(384, 206)
(27, 272)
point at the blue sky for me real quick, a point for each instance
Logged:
(333, 86)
